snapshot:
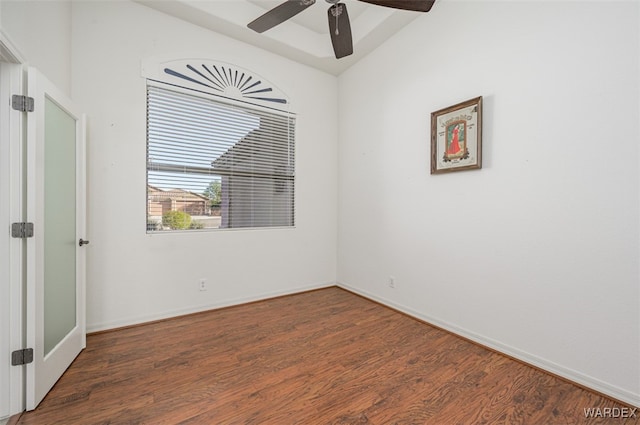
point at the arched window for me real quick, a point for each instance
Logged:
(220, 149)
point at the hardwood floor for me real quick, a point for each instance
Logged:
(321, 357)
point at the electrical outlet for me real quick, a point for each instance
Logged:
(392, 282)
(203, 284)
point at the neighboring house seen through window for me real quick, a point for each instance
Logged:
(216, 163)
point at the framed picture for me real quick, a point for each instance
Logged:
(456, 137)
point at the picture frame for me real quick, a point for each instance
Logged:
(456, 137)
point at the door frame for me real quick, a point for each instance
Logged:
(12, 209)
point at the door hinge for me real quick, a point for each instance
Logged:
(22, 357)
(21, 230)
(22, 103)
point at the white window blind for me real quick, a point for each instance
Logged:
(212, 164)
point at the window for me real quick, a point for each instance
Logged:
(215, 163)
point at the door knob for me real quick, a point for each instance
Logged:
(83, 242)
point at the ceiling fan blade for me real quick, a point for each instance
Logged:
(340, 30)
(414, 5)
(279, 14)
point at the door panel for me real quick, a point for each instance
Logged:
(55, 261)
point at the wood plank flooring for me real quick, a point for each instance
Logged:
(320, 357)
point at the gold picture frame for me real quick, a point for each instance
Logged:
(456, 137)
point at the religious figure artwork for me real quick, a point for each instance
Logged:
(456, 137)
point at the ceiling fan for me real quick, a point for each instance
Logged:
(339, 26)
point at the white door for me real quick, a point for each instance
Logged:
(55, 257)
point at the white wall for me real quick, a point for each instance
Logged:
(537, 253)
(134, 277)
(41, 31)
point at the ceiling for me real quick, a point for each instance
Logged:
(304, 38)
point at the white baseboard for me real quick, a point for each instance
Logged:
(103, 326)
(531, 359)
